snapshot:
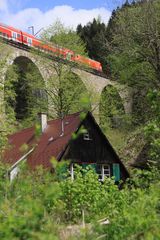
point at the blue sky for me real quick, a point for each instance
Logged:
(45, 5)
(42, 13)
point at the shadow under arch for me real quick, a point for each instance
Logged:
(111, 108)
(24, 90)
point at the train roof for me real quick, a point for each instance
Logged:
(18, 30)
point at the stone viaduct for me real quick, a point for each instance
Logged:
(92, 82)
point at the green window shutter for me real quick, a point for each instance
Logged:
(62, 170)
(116, 171)
(93, 166)
(84, 166)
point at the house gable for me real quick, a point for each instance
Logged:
(92, 147)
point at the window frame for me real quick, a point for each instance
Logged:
(72, 171)
(14, 35)
(29, 41)
(86, 136)
(102, 171)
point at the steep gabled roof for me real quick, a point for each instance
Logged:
(50, 144)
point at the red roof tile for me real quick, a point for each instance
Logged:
(50, 143)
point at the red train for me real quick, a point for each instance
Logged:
(15, 35)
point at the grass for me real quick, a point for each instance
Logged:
(117, 138)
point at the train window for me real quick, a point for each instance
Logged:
(29, 40)
(14, 35)
(18, 35)
(25, 38)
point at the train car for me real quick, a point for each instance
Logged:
(89, 62)
(20, 37)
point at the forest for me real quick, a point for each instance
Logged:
(41, 205)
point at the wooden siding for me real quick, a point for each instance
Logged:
(97, 150)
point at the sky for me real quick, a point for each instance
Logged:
(42, 13)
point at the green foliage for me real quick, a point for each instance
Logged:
(134, 43)
(64, 97)
(38, 205)
(27, 208)
(138, 213)
(94, 35)
(134, 52)
(64, 37)
(35, 202)
(7, 116)
(152, 129)
(87, 195)
(24, 92)
(112, 114)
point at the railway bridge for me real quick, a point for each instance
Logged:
(94, 83)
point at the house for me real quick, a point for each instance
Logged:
(74, 137)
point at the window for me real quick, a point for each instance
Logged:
(29, 41)
(14, 35)
(18, 35)
(4, 35)
(90, 166)
(86, 136)
(103, 170)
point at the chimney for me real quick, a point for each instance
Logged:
(43, 121)
(62, 127)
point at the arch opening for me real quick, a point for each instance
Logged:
(24, 90)
(70, 94)
(111, 109)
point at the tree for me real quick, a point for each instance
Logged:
(111, 109)
(94, 35)
(64, 88)
(6, 120)
(135, 45)
(135, 52)
(152, 129)
(64, 37)
(23, 92)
